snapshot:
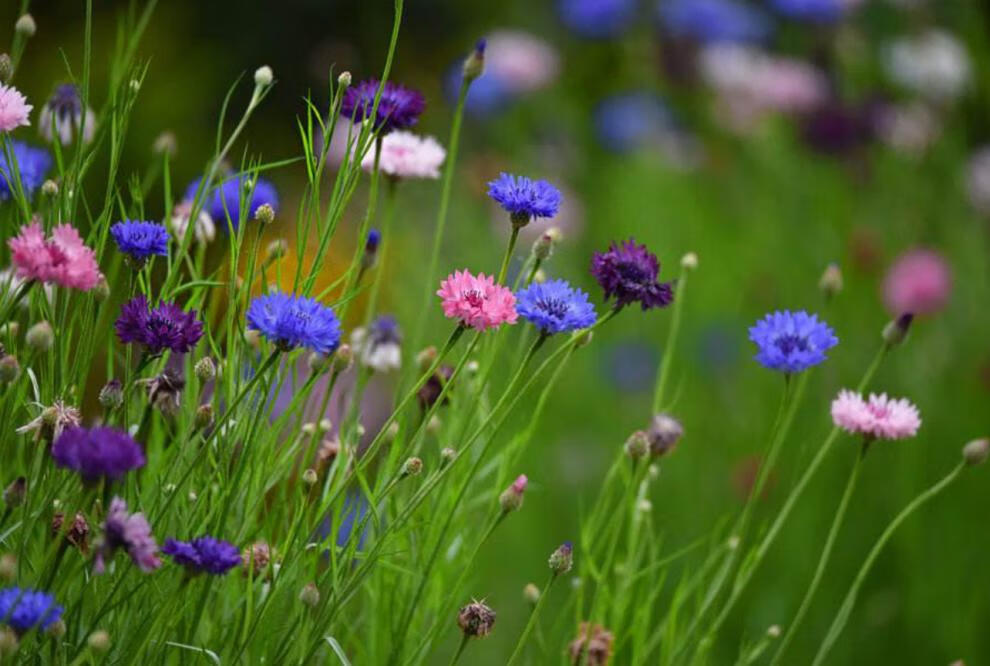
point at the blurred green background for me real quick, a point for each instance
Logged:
(764, 211)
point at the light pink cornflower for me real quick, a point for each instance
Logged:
(877, 417)
(14, 110)
(919, 282)
(477, 301)
(407, 155)
(62, 259)
(520, 61)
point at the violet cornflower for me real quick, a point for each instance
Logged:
(164, 327)
(130, 532)
(97, 453)
(630, 272)
(203, 554)
(398, 107)
(140, 240)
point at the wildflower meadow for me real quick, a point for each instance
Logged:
(581, 332)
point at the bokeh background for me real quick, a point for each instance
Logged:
(771, 137)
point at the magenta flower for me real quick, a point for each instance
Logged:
(61, 259)
(477, 302)
(630, 273)
(130, 532)
(14, 110)
(919, 282)
(877, 417)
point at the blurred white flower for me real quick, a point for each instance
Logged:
(204, 231)
(933, 64)
(908, 128)
(407, 155)
(10, 282)
(521, 61)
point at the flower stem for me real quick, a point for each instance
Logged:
(532, 621)
(460, 650)
(668, 353)
(508, 254)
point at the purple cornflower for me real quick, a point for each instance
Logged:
(32, 163)
(290, 321)
(398, 107)
(63, 116)
(164, 327)
(24, 609)
(713, 20)
(597, 19)
(791, 341)
(97, 452)
(224, 202)
(629, 272)
(203, 555)
(371, 244)
(524, 198)
(555, 307)
(130, 532)
(140, 240)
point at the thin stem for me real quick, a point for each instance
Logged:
(668, 353)
(460, 649)
(532, 621)
(508, 254)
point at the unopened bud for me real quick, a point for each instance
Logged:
(49, 188)
(689, 261)
(165, 144)
(276, 250)
(317, 362)
(976, 451)
(56, 629)
(14, 494)
(263, 76)
(26, 26)
(411, 467)
(434, 425)
(426, 358)
(638, 445)
(135, 85)
(8, 567)
(253, 338)
(8, 642)
(205, 369)
(6, 68)
(447, 455)
(40, 337)
(583, 339)
(773, 631)
(310, 595)
(540, 276)
(101, 291)
(255, 558)
(543, 247)
(474, 64)
(831, 281)
(112, 394)
(391, 432)
(476, 620)
(371, 245)
(343, 358)
(204, 416)
(663, 434)
(344, 80)
(531, 593)
(9, 369)
(310, 477)
(265, 214)
(895, 332)
(562, 559)
(325, 425)
(99, 641)
(511, 498)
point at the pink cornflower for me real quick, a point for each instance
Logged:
(877, 417)
(407, 155)
(477, 301)
(62, 258)
(919, 282)
(14, 109)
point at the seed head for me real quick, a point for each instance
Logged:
(476, 620)
(976, 451)
(412, 467)
(40, 337)
(310, 595)
(26, 26)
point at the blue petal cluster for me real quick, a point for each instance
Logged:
(811, 11)
(524, 198)
(713, 20)
(140, 240)
(597, 19)
(290, 321)
(203, 554)
(628, 121)
(24, 609)
(33, 165)
(791, 341)
(224, 202)
(555, 307)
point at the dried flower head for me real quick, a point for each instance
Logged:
(593, 645)
(476, 619)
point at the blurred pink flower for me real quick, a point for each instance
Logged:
(14, 109)
(62, 259)
(919, 282)
(477, 301)
(908, 128)
(406, 155)
(520, 61)
(878, 417)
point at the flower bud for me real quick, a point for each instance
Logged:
(511, 498)
(540, 276)
(255, 558)
(474, 64)
(562, 559)
(391, 432)
(663, 434)
(112, 394)
(40, 337)
(895, 332)
(8, 567)
(101, 291)
(14, 494)
(8, 642)
(276, 250)
(310, 595)
(343, 358)
(411, 467)
(310, 477)
(476, 620)
(638, 445)
(773, 631)
(543, 247)
(317, 362)
(371, 245)
(76, 535)
(344, 80)
(10, 369)
(583, 339)
(6, 68)
(99, 641)
(447, 456)
(263, 76)
(205, 369)
(531, 593)
(426, 358)
(56, 629)
(265, 214)
(689, 261)
(253, 339)
(204, 416)
(831, 280)
(165, 144)
(49, 188)
(26, 26)
(976, 451)
(434, 425)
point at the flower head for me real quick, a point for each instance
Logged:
(203, 555)
(64, 113)
(14, 110)
(630, 272)
(33, 165)
(877, 417)
(919, 282)
(593, 645)
(224, 201)
(407, 155)
(398, 107)
(597, 19)
(22, 609)
(477, 302)
(164, 327)
(524, 198)
(140, 240)
(555, 307)
(379, 346)
(290, 321)
(62, 258)
(476, 620)
(713, 20)
(130, 532)
(52, 421)
(97, 452)
(791, 341)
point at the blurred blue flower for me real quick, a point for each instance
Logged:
(597, 19)
(224, 202)
(791, 341)
(713, 20)
(631, 366)
(23, 609)
(555, 307)
(625, 121)
(487, 94)
(812, 11)
(32, 164)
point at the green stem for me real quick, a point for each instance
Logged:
(532, 621)
(508, 254)
(460, 650)
(668, 353)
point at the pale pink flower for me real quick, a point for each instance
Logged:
(919, 282)
(877, 417)
(62, 259)
(14, 110)
(477, 301)
(406, 155)
(521, 61)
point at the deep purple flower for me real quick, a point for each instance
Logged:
(130, 532)
(33, 164)
(224, 202)
(164, 327)
(555, 307)
(524, 198)
(97, 452)
(203, 555)
(140, 240)
(629, 272)
(23, 609)
(398, 107)
(290, 321)
(791, 341)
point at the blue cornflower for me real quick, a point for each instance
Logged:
(555, 307)
(713, 20)
(597, 19)
(224, 202)
(23, 609)
(290, 321)
(524, 198)
(203, 554)
(628, 121)
(791, 341)
(488, 93)
(33, 165)
(140, 240)
(812, 11)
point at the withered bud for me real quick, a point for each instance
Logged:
(476, 620)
